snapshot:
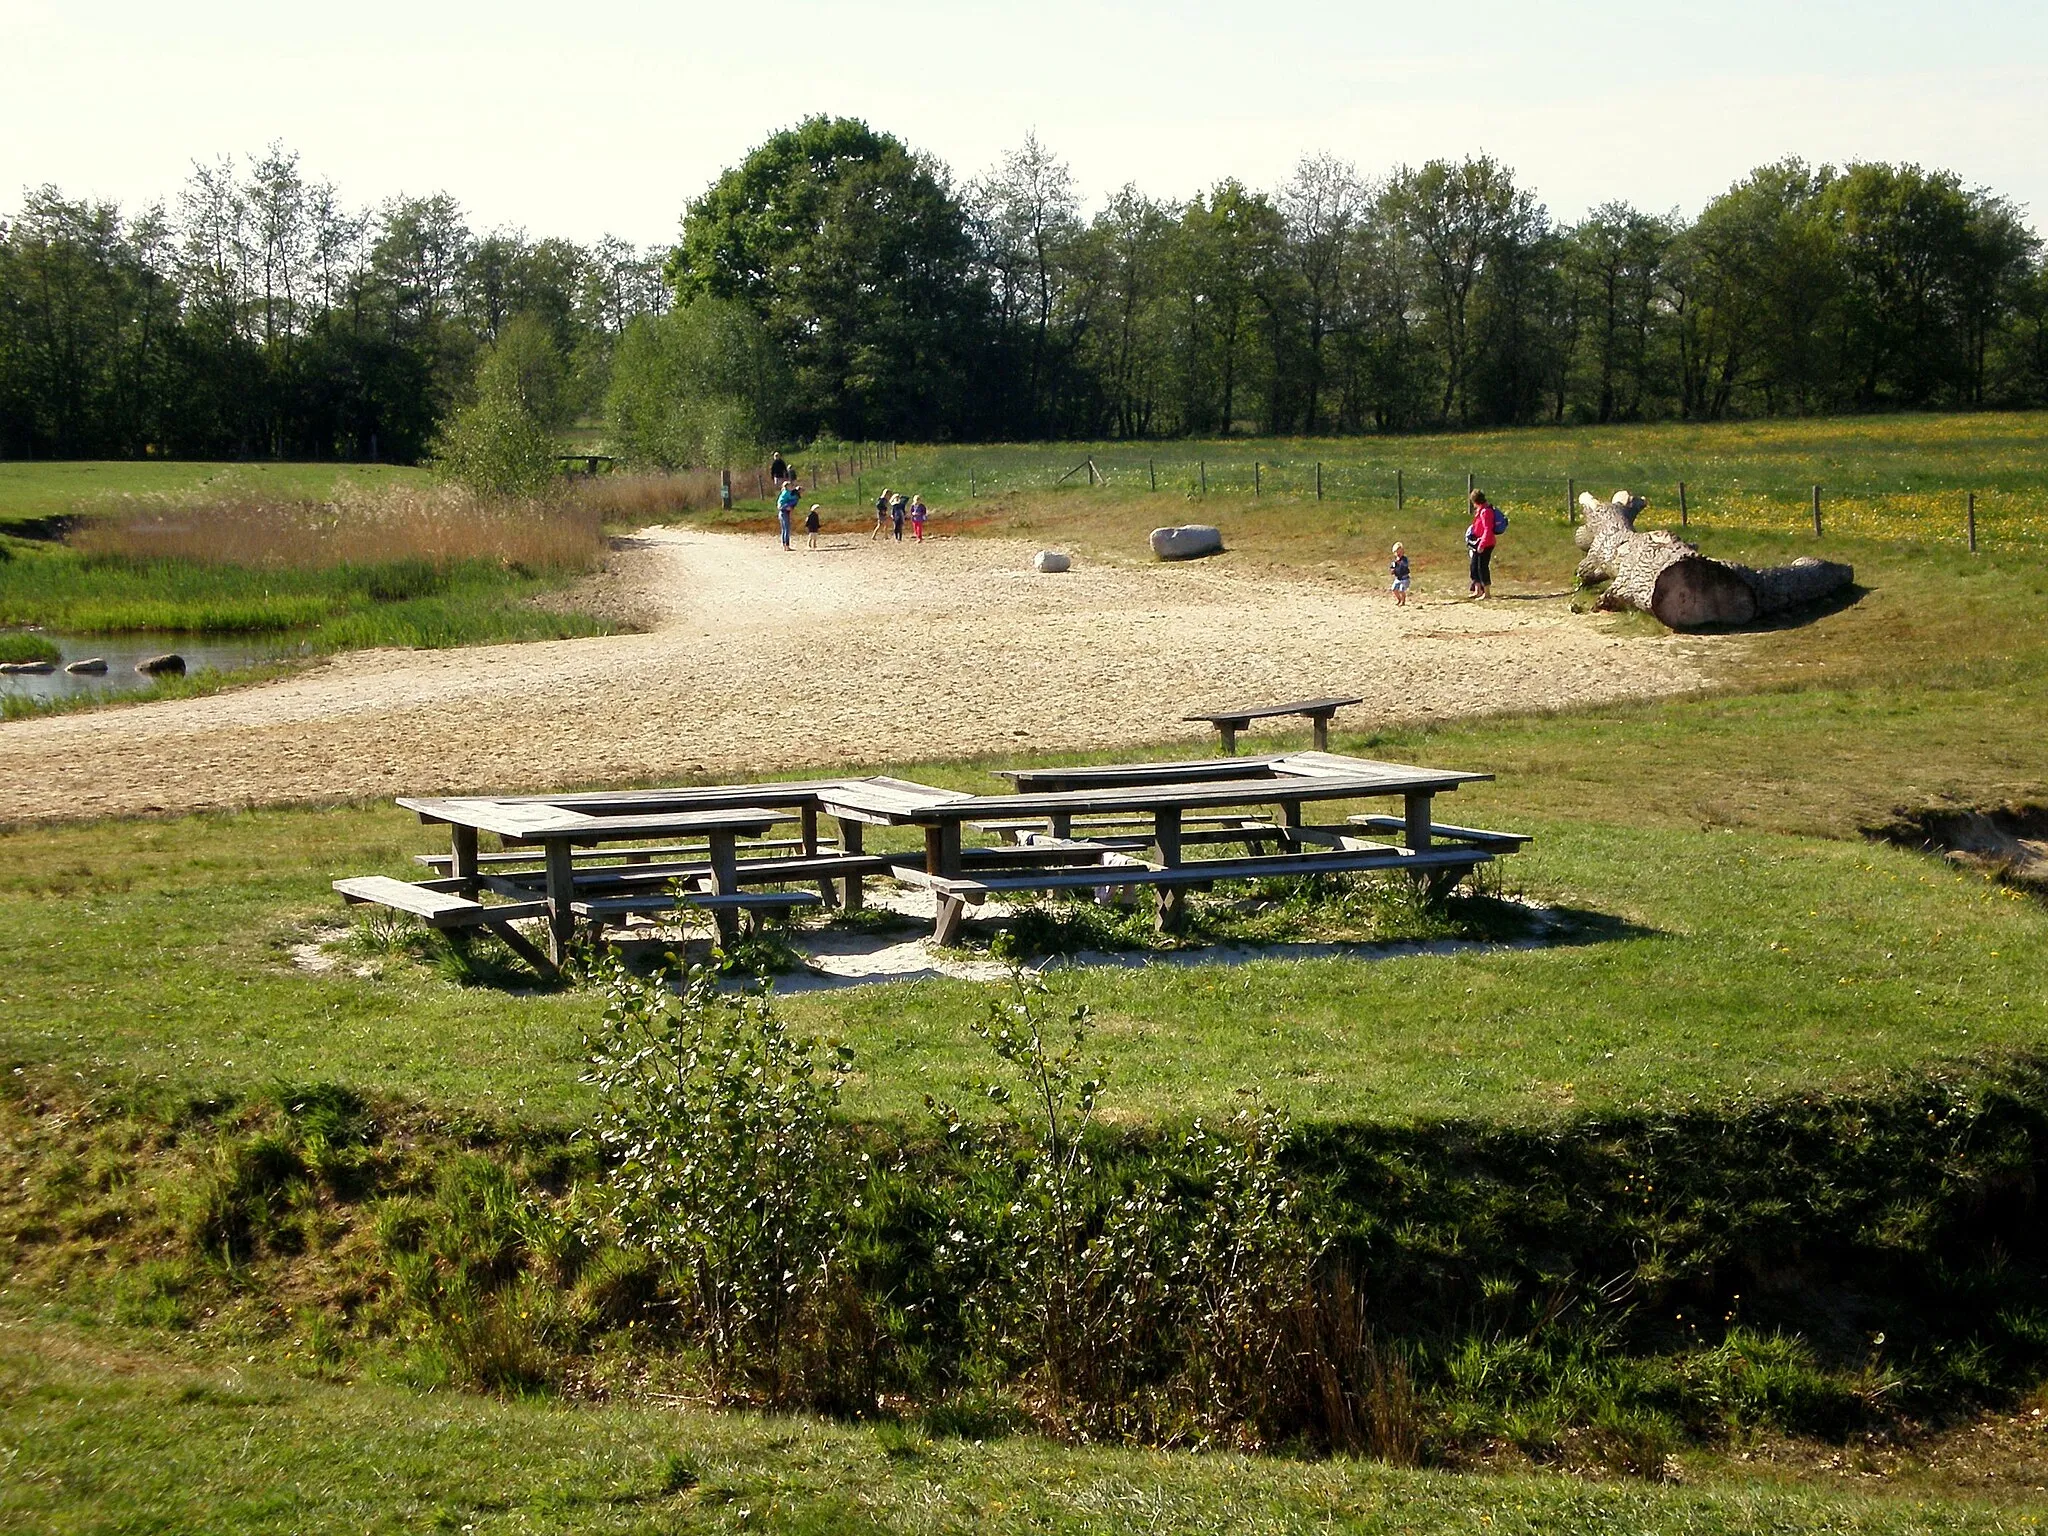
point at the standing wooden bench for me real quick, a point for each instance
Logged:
(1229, 722)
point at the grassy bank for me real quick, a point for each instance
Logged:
(105, 1432)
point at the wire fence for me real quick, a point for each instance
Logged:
(1759, 502)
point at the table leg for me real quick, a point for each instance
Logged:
(463, 865)
(1418, 821)
(1322, 732)
(561, 882)
(1290, 821)
(1228, 733)
(942, 849)
(725, 881)
(1172, 898)
(850, 842)
(810, 837)
(1062, 823)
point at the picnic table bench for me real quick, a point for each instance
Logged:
(1229, 722)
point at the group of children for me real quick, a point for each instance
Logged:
(892, 510)
(1488, 524)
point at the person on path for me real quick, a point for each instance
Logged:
(785, 507)
(898, 504)
(1480, 539)
(811, 525)
(881, 514)
(1398, 569)
(778, 471)
(917, 516)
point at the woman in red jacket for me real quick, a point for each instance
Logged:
(1480, 539)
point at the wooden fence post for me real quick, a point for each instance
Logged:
(1571, 500)
(970, 485)
(1816, 511)
(1202, 466)
(1970, 512)
(1400, 492)
(1319, 479)
(1681, 503)
(1152, 473)
(1255, 477)
(1470, 486)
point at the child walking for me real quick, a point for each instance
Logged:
(881, 514)
(1398, 569)
(811, 525)
(898, 505)
(917, 517)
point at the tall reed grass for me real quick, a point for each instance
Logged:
(646, 498)
(442, 526)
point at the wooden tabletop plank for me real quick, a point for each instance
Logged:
(532, 821)
(1105, 775)
(1252, 712)
(1156, 797)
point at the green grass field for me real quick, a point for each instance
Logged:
(1894, 478)
(35, 490)
(1734, 948)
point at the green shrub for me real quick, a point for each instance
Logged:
(714, 1122)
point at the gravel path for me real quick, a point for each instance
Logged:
(759, 660)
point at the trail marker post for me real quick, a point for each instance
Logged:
(725, 490)
(1152, 473)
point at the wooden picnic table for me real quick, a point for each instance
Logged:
(559, 829)
(1166, 794)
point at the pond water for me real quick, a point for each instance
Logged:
(202, 653)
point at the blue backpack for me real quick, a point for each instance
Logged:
(1500, 522)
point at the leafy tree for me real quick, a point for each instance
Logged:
(854, 254)
(701, 385)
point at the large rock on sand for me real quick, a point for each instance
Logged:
(1188, 542)
(1050, 561)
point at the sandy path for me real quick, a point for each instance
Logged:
(761, 660)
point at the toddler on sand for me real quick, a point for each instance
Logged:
(1399, 567)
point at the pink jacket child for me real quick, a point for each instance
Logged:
(917, 516)
(1480, 539)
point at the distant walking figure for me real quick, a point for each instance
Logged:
(778, 471)
(811, 525)
(898, 503)
(1398, 569)
(1480, 538)
(881, 514)
(785, 508)
(917, 516)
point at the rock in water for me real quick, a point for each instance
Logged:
(169, 662)
(90, 664)
(35, 668)
(1186, 543)
(1051, 561)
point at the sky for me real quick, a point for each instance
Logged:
(607, 117)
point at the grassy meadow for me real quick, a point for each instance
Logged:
(1898, 478)
(1760, 1041)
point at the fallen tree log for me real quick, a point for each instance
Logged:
(1656, 572)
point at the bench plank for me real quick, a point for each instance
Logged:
(439, 909)
(1508, 841)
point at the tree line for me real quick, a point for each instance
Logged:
(258, 316)
(839, 283)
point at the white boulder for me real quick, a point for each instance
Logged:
(1051, 561)
(1188, 542)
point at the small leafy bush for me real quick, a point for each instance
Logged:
(714, 1122)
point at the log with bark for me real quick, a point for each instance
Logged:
(1658, 573)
